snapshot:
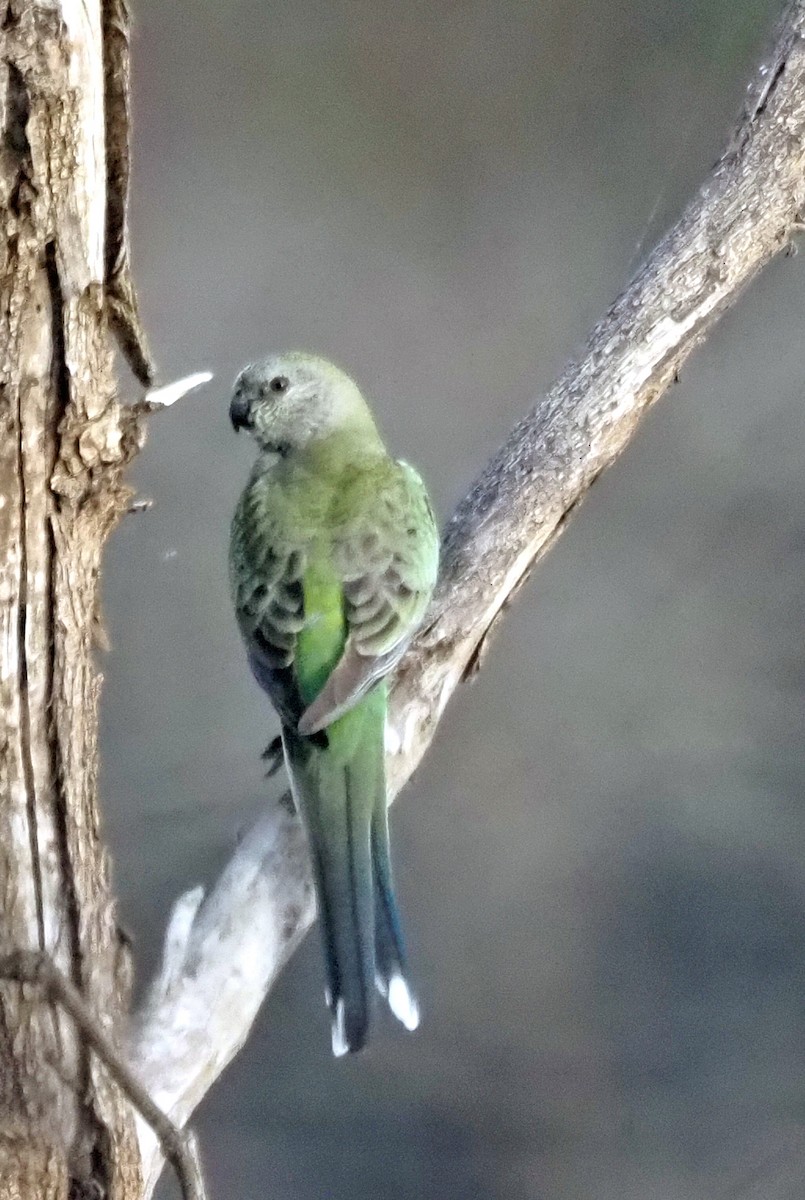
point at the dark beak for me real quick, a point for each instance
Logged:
(239, 413)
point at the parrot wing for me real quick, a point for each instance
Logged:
(266, 578)
(386, 552)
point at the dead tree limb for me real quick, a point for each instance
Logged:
(223, 953)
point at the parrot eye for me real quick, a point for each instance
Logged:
(278, 384)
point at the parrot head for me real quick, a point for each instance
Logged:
(290, 400)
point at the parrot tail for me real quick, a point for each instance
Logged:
(343, 807)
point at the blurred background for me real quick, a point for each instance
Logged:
(602, 859)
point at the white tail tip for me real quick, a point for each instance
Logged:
(339, 1032)
(402, 1002)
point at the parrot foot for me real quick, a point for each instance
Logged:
(273, 755)
(287, 802)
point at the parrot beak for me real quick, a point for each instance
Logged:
(239, 413)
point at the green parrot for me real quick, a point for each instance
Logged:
(333, 559)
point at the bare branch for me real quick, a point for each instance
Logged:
(744, 215)
(233, 945)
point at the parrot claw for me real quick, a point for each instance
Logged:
(273, 755)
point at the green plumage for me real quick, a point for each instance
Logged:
(333, 559)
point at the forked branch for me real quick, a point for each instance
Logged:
(223, 953)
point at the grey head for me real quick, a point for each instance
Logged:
(288, 401)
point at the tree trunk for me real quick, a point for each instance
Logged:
(64, 441)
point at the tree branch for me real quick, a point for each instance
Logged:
(223, 953)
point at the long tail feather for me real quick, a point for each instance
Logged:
(390, 957)
(342, 801)
(336, 811)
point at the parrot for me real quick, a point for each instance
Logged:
(333, 559)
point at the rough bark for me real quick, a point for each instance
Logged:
(64, 440)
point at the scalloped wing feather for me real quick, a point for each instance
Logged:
(266, 572)
(386, 552)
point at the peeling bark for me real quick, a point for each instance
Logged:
(64, 441)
